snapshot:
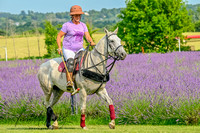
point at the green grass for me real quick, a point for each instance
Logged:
(100, 129)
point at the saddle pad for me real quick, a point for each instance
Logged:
(61, 67)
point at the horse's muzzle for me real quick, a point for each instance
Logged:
(122, 55)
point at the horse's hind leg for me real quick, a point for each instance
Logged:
(47, 89)
(57, 93)
(49, 115)
(48, 93)
(47, 104)
(103, 94)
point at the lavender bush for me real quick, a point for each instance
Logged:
(145, 88)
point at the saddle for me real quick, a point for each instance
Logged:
(78, 59)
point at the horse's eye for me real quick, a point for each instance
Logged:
(111, 41)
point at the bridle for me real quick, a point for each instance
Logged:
(114, 57)
(107, 56)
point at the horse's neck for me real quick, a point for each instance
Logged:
(101, 48)
(97, 57)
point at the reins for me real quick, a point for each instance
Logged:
(107, 57)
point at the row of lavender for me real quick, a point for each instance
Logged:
(145, 88)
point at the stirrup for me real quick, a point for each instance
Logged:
(69, 84)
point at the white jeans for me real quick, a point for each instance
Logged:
(69, 53)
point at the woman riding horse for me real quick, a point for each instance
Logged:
(53, 82)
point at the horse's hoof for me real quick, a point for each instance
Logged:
(50, 127)
(112, 125)
(85, 128)
(55, 125)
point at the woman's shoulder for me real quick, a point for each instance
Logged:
(67, 23)
(82, 23)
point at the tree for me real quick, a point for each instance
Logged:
(50, 39)
(153, 25)
(2, 33)
(197, 23)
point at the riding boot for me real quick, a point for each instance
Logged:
(69, 75)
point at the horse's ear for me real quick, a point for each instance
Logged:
(105, 30)
(116, 30)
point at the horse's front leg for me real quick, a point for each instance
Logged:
(83, 98)
(103, 94)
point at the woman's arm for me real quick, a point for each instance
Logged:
(60, 35)
(89, 39)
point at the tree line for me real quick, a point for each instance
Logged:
(29, 21)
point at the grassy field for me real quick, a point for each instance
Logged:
(25, 44)
(100, 129)
(195, 43)
(21, 46)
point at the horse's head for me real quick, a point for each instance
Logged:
(114, 45)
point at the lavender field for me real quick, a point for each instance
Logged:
(145, 88)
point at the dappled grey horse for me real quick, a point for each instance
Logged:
(95, 63)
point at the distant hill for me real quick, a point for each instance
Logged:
(192, 7)
(29, 21)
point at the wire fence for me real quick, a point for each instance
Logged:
(22, 47)
(28, 46)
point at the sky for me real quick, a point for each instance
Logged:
(44, 6)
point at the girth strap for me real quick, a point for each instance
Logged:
(95, 76)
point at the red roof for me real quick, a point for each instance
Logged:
(193, 36)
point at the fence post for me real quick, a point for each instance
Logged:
(38, 45)
(14, 47)
(5, 52)
(179, 44)
(28, 46)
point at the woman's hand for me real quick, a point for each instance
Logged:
(92, 44)
(59, 36)
(59, 51)
(89, 39)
